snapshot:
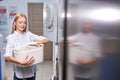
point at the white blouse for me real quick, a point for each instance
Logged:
(89, 41)
(16, 39)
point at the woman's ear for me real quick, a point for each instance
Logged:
(14, 23)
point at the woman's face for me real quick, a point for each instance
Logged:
(20, 24)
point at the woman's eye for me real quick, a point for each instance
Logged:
(22, 22)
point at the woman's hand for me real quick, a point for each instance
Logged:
(82, 61)
(28, 61)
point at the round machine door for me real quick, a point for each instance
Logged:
(49, 17)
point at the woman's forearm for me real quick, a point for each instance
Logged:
(27, 61)
(42, 41)
(13, 59)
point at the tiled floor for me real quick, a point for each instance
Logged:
(45, 71)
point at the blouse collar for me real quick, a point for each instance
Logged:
(17, 33)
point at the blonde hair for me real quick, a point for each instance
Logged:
(18, 15)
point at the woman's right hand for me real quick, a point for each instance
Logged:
(28, 61)
(82, 61)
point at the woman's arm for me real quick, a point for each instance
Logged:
(9, 53)
(27, 61)
(42, 41)
(84, 61)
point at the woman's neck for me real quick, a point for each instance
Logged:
(20, 32)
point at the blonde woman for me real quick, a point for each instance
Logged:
(21, 37)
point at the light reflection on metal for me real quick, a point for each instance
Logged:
(105, 14)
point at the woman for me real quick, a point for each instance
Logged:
(21, 37)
